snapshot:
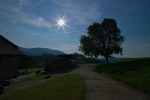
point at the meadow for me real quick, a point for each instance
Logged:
(69, 87)
(22, 71)
(135, 72)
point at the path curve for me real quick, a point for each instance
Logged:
(100, 87)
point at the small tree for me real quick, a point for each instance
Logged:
(102, 39)
(26, 62)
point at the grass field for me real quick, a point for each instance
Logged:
(26, 79)
(29, 70)
(69, 87)
(135, 72)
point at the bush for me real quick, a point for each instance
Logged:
(93, 61)
(59, 65)
(38, 72)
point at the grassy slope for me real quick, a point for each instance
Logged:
(69, 87)
(132, 71)
(29, 70)
(26, 79)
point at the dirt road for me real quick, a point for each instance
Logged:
(100, 87)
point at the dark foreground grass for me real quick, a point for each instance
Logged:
(27, 79)
(135, 72)
(29, 70)
(69, 87)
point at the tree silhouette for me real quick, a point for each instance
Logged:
(103, 39)
(27, 61)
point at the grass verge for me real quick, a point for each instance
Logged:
(69, 87)
(26, 79)
(29, 70)
(134, 72)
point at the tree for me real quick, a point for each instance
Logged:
(103, 39)
(26, 62)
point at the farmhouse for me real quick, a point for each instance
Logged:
(9, 59)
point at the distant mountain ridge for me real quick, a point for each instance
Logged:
(40, 51)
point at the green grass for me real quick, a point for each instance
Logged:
(69, 87)
(29, 70)
(133, 59)
(135, 72)
(26, 79)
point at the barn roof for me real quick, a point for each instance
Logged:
(8, 48)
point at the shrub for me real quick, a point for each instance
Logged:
(38, 72)
(59, 65)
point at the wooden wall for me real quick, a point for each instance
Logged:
(8, 67)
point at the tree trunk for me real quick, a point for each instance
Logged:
(107, 60)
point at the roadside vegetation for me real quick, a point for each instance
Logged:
(26, 79)
(69, 87)
(135, 72)
(59, 65)
(23, 71)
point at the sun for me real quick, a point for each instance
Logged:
(61, 22)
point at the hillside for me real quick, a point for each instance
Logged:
(40, 51)
(135, 72)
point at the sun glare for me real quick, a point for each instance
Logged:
(61, 22)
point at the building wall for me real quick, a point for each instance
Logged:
(9, 54)
(8, 67)
(8, 48)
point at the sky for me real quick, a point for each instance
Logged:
(32, 23)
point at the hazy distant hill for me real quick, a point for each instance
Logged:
(112, 59)
(40, 51)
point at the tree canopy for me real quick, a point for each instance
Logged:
(102, 39)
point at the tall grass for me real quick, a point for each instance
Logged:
(69, 87)
(132, 71)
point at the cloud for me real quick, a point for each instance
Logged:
(34, 3)
(23, 3)
(84, 11)
(36, 21)
(15, 14)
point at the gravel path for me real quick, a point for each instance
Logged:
(100, 87)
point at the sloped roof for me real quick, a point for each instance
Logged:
(8, 48)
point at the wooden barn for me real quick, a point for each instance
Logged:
(9, 59)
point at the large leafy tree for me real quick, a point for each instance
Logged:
(103, 39)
